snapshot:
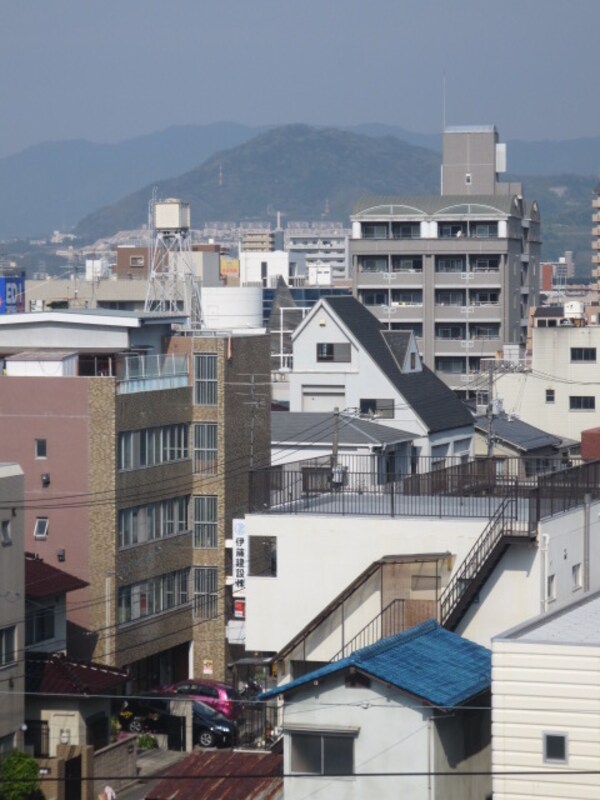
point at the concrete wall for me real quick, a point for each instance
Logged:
(318, 556)
(12, 604)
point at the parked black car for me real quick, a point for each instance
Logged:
(152, 715)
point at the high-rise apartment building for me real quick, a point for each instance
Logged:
(460, 269)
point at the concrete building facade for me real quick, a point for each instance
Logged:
(460, 270)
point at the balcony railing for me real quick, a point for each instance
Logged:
(146, 373)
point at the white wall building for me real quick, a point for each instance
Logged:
(264, 268)
(546, 705)
(342, 358)
(558, 391)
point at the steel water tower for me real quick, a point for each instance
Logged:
(172, 283)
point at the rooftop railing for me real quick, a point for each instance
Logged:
(146, 373)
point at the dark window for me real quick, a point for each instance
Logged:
(40, 530)
(262, 556)
(205, 592)
(39, 625)
(549, 395)
(379, 408)
(322, 754)
(407, 264)
(375, 230)
(406, 230)
(582, 403)
(5, 534)
(40, 448)
(413, 360)
(555, 747)
(448, 264)
(330, 351)
(7, 646)
(447, 230)
(583, 354)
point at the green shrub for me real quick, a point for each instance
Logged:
(147, 742)
(19, 777)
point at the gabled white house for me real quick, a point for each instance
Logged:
(344, 358)
(405, 717)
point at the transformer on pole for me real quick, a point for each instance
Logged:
(172, 283)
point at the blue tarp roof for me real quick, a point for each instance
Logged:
(426, 661)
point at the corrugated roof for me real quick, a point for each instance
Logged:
(575, 623)
(54, 673)
(429, 205)
(42, 580)
(310, 427)
(517, 433)
(223, 775)
(426, 661)
(430, 398)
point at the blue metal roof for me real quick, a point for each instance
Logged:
(426, 661)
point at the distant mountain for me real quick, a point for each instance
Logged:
(296, 169)
(53, 185)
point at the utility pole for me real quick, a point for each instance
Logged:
(490, 410)
(336, 436)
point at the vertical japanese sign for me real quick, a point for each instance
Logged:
(240, 556)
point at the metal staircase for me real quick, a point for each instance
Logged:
(389, 621)
(503, 529)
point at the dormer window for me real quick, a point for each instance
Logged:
(333, 351)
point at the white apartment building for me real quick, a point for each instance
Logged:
(324, 245)
(558, 388)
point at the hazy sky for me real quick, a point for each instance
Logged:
(106, 70)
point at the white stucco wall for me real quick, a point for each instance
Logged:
(318, 556)
(518, 590)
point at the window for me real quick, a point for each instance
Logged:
(39, 625)
(446, 297)
(582, 403)
(406, 230)
(155, 521)
(449, 265)
(468, 179)
(205, 592)
(485, 265)
(446, 330)
(555, 747)
(262, 562)
(205, 448)
(404, 297)
(374, 230)
(150, 447)
(5, 534)
(485, 230)
(413, 360)
(452, 365)
(587, 354)
(374, 297)
(164, 592)
(551, 587)
(205, 386)
(40, 530)
(333, 351)
(484, 298)
(373, 264)
(491, 331)
(205, 521)
(379, 408)
(577, 576)
(447, 230)
(322, 754)
(40, 448)
(407, 264)
(7, 646)
(549, 395)
(136, 261)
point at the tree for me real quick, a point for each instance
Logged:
(19, 777)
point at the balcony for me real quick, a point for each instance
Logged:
(151, 373)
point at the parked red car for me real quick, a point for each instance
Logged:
(217, 695)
